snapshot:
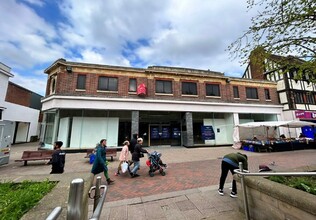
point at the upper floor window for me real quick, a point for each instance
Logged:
(252, 93)
(310, 98)
(132, 85)
(163, 86)
(212, 90)
(299, 98)
(267, 94)
(53, 81)
(189, 88)
(107, 83)
(236, 92)
(81, 82)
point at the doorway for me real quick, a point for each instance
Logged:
(164, 134)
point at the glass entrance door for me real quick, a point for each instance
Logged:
(164, 134)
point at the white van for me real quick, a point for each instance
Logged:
(5, 141)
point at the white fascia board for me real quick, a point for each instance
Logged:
(75, 102)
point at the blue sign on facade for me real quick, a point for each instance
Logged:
(165, 133)
(207, 132)
(154, 133)
(175, 133)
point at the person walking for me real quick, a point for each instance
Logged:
(230, 162)
(123, 157)
(137, 154)
(99, 164)
(133, 143)
(58, 158)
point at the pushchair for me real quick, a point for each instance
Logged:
(155, 163)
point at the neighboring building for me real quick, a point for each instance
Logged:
(297, 96)
(19, 109)
(165, 105)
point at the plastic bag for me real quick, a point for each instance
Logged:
(92, 158)
(124, 166)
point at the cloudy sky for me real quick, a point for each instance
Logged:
(136, 33)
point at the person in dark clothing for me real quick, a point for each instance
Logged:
(230, 162)
(136, 155)
(58, 158)
(99, 164)
(133, 142)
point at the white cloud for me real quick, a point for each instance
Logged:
(186, 33)
(35, 2)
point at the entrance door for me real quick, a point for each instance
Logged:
(164, 134)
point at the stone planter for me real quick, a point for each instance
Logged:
(272, 200)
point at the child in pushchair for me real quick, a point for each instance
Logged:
(155, 163)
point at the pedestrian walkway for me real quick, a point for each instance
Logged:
(187, 191)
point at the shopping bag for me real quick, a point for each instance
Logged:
(124, 167)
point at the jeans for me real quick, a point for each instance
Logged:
(225, 168)
(136, 166)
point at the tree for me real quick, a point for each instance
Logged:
(281, 27)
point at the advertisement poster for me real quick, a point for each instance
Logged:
(175, 133)
(154, 133)
(165, 133)
(207, 132)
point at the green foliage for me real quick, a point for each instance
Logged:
(281, 27)
(19, 198)
(305, 183)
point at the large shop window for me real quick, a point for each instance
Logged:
(163, 86)
(107, 83)
(132, 85)
(189, 88)
(81, 82)
(252, 93)
(212, 90)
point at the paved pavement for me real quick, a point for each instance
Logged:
(187, 191)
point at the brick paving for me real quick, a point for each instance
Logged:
(187, 191)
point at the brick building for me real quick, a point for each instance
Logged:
(165, 105)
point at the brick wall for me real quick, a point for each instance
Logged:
(66, 85)
(18, 95)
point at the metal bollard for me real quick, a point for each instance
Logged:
(97, 192)
(74, 210)
(244, 192)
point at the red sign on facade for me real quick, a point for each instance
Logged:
(141, 90)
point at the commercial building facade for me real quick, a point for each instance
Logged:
(164, 105)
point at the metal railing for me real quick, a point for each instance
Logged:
(75, 201)
(54, 214)
(242, 173)
(98, 198)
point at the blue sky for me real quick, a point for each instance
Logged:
(136, 33)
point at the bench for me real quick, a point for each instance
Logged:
(110, 152)
(35, 155)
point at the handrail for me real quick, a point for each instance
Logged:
(54, 214)
(242, 173)
(276, 173)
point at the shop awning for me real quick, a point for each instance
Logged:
(289, 124)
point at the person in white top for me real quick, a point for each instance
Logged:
(123, 157)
